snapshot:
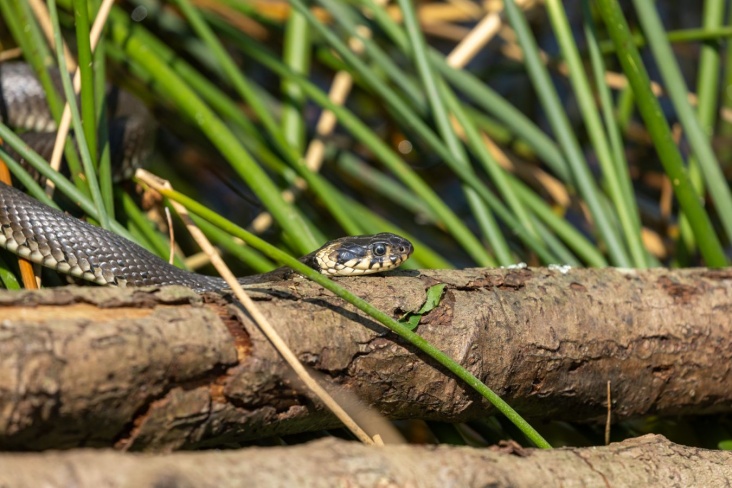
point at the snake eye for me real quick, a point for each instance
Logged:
(379, 249)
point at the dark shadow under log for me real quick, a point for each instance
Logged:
(166, 369)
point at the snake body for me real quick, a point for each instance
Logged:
(23, 105)
(50, 238)
(55, 240)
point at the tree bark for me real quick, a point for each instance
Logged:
(649, 461)
(166, 369)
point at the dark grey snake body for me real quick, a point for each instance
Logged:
(23, 105)
(53, 239)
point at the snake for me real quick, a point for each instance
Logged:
(23, 105)
(53, 239)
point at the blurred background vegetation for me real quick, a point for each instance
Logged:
(580, 133)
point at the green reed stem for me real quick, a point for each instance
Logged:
(403, 332)
(660, 132)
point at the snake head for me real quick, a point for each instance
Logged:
(360, 255)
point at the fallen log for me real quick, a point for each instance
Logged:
(167, 369)
(648, 461)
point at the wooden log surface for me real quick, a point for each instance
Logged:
(166, 369)
(649, 461)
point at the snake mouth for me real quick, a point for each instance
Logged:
(362, 255)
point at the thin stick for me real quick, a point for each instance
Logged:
(338, 93)
(13, 53)
(616, 81)
(44, 20)
(156, 184)
(609, 415)
(65, 123)
(478, 37)
(27, 273)
(171, 235)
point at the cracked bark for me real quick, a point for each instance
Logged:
(649, 461)
(166, 369)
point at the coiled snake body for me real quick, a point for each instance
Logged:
(23, 105)
(50, 238)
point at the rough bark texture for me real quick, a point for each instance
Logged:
(165, 369)
(649, 461)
